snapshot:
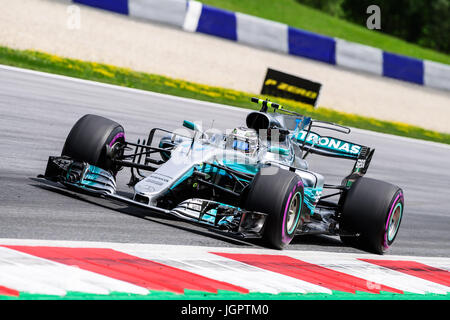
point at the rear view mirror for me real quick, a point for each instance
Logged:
(189, 125)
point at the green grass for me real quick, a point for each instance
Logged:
(303, 17)
(128, 78)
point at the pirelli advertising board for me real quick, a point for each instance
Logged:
(280, 84)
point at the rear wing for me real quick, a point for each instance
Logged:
(327, 146)
(312, 142)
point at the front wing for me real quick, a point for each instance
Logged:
(85, 178)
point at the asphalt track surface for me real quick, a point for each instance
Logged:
(37, 111)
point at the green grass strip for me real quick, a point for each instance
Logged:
(303, 17)
(224, 295)
(45, 62)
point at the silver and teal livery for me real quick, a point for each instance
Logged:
(233, 181)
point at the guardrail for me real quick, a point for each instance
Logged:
(194, 16)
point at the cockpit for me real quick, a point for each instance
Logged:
(243, 139)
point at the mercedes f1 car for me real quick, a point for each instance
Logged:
(252, 181)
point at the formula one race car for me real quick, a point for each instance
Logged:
(252, 181)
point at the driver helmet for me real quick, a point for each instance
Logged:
(244, 140)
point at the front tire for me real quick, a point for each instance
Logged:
(279, 195)
(89, 139)
(374, 210)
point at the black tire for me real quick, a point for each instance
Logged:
(371, 208)
(273, 194)
(88, 139)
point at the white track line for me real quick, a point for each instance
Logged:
(32, 274)
(219, 268)
(28, 273)
(121, 88)
(198, 102)
(376, 274)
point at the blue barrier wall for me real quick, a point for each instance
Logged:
(119, 6)
(402, 68)
(224, 24)
(310, 45)
(218, 23)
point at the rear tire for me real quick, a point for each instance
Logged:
(88, 140)
(374, 210)
(281, 197)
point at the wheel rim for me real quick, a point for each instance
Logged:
(394, 222)
(293, 212)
